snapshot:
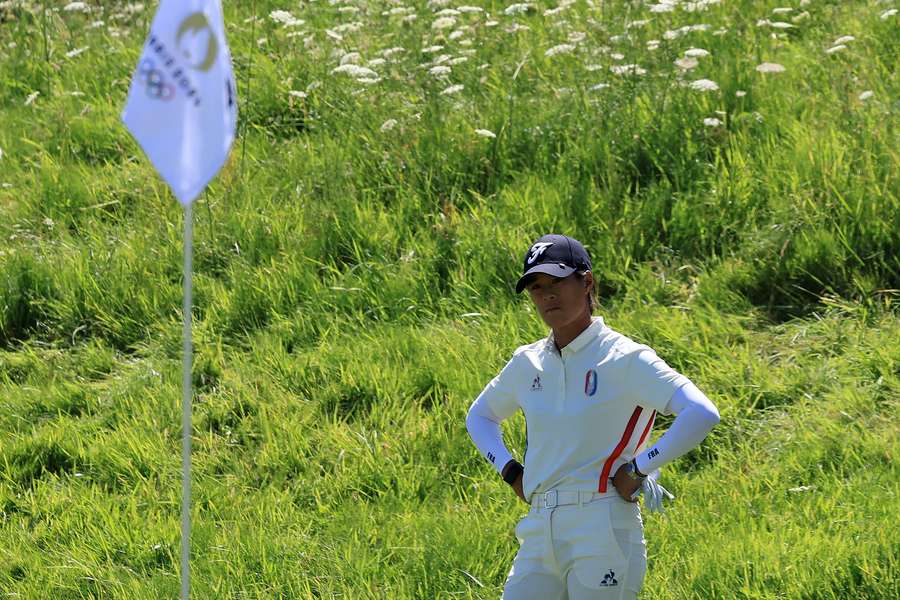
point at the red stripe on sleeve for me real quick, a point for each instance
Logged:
(607, 466)
(646, 430)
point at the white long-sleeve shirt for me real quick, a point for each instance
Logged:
(588, 409)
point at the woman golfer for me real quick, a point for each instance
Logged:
(589, 395)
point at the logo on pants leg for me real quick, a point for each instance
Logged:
(609, 579)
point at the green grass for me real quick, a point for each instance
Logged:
(354, 292)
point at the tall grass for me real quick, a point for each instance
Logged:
(353, 293)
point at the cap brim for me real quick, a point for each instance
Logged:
(554, 269)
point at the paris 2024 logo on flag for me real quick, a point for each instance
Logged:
(181, 106)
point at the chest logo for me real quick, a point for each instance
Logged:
(536, 384)
(590, 383)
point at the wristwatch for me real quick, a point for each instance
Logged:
(632, 471)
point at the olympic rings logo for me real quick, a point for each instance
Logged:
(154, 81)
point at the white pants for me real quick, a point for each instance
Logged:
(579, 552)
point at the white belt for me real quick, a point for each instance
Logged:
(554, 498)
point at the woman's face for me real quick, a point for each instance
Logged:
(560, 301)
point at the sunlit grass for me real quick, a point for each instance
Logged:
(354, 265)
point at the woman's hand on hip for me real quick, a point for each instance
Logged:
(517, 486)
(625, 484)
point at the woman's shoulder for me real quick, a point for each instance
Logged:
(621, 344)
(530, 349)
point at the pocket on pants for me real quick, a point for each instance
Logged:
(588, 533)
(529, 533)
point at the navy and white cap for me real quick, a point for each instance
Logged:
(556, 255)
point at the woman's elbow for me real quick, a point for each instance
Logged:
(711, 416)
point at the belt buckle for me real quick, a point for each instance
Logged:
(547, 499)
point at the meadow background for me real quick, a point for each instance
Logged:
(731, 166)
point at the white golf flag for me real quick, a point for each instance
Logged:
(181, 107)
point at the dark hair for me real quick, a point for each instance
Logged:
(592, 297)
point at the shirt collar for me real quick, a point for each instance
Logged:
(591, 331)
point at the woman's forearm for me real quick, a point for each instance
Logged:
(484, 429)
(696, 416)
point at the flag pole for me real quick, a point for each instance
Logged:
(186, 409)
(247, 85)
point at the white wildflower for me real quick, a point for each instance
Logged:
(577, 36)
(388, 125)
(355, 71)
(598, 86)
(686, 63)
(470, 9)
(768, 67)
(888, 14)
(31, 98)
(350, 58)
(802, 488)
(491, 23)
(76, 52)
(97, 24)
(1, 153)
(711, 122)
(376, 62)
(486, 133)
(560, 49)
(447, 12)
(704, 85)
(348, 27)
(835, 49)
(431, 49)
(440, 71)
(800, 17)
(518, 9)
(662, 7)
(740, 93)
(696, 52)
(352, 10)
(699, 6)
(285, 18)
(297, 94)
(781, 25)
(77, 7)
(866, 95)
(392, 51)
(368, 80)
(443, 23)
(628, 70)
(844, 39)
(48, 222)
(782, 10)
(433, 4)
(617, 56)
(652, 44)
(410, 18)
(458, 60)
(334, 35)
(453, 89)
